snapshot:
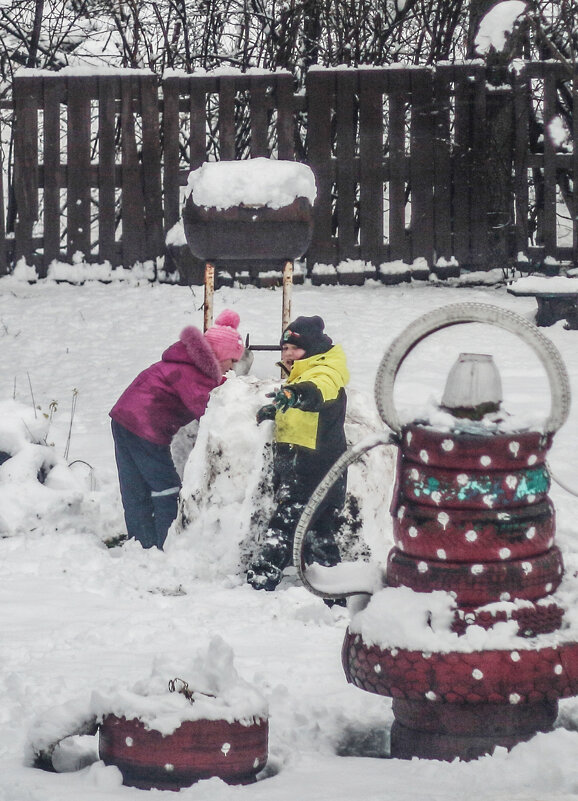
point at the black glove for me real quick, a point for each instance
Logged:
(284, 398)
(267, 412)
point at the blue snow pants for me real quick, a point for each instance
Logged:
(149, 486)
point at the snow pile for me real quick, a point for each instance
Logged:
(251, 182)
(227, 495)
(39, 491)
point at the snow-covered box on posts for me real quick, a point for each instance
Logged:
(249, 211)
(469, 636)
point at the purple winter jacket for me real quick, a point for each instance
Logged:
(172, 392)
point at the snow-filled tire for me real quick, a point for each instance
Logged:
(482, 535)
(195, 750)
(482, 582)
(493, 676)
(459, 313)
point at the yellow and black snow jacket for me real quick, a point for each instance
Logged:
(317, 422)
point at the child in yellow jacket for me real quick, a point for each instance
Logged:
(309, 415)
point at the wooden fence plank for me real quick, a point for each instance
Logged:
(462, 165)
(285, 117)
(442, 207)
(151, 167)
(398, 173)
(346, 167)
(227, 149)
(133, 234)
(321, 100)
(422, 165)
(549, 219)
(171, 154)
(27, 99)
(200, 88)
(53, 90)
(79, 91)
(479, 158)
(371, 88)
(521, 134)
(259, 112)
(108, 97)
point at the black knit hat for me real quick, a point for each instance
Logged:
(307, 333)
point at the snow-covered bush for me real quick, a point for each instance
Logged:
(39, 492)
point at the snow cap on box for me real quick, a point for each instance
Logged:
(307, 333)
(223, 337)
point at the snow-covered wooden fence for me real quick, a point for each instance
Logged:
(406, 160)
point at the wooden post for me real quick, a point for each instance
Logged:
(287, 289)
(209, 293)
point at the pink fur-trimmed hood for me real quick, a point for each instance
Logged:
(193, 348)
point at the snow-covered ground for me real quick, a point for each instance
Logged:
(82, 621)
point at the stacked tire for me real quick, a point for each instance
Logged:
(471, 516)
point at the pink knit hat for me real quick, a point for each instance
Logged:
(223, 337)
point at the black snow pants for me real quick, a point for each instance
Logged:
(296, 474)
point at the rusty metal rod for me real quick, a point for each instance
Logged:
(287, 291)
(209, 294)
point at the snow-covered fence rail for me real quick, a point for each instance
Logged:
(433, 163)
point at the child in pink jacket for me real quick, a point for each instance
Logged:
(167, 395)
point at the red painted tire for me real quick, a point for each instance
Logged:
(425, 445)
(486, 720)
(460, 535)
(480, 583)
(407, 744)
(493, 676)
(195, 750)
(443, 488)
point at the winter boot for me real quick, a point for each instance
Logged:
(266, 571)
(262, 575)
